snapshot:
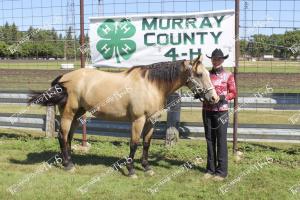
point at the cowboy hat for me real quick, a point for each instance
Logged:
(218, 53)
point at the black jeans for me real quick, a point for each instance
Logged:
(216, 138)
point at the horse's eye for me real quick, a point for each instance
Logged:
(199, 75)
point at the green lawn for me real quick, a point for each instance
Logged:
(282, 76)
(36, 64)
(13, 108)
(245, 66)
(245, 116)
(41, 64)
(187, 115)
(269, 66)
(22, 152)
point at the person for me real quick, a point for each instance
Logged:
(215, 118)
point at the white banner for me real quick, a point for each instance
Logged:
(141, 40)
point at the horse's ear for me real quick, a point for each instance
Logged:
(199, 58)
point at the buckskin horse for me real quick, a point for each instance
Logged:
(150, 85)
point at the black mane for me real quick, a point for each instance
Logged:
(162, 71)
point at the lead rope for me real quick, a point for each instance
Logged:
(202, 91)
(218, 107)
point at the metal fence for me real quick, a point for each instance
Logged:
(269, 38)
(46, 122)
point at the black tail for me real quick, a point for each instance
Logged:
(56, 95)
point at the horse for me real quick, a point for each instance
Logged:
(146, 90)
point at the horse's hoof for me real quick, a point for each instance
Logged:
(239, 153)
(238, 156)
(133, 176)
(150, 172)
(70, 168)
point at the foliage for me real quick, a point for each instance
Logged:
(37, 43)
(277, 45)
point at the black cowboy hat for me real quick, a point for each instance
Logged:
(218, 53)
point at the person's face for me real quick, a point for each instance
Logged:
(216, 61)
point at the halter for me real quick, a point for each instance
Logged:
(196, 89)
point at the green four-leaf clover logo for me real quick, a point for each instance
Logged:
(115, 39)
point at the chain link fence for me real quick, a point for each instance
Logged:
(37, 37)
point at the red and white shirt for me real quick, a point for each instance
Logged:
(224, 84)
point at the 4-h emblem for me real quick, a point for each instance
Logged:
(115, 39)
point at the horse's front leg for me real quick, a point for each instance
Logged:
(137, 127)
(147, 135)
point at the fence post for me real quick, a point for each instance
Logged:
(50, 121)
(237, 56)
(173, 119)
(82, 63)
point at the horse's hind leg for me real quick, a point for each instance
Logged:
(137, 127)
(67, 116)
(74, 125)
(147, 135)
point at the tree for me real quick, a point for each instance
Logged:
(279, 49)
(6, 33)
(292, 40)
(14, 32)
(243, 47)
(69, 44)
(4, 52)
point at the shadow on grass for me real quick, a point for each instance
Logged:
(115, 143)
(21, 136)
(256, 146)
(93, 159)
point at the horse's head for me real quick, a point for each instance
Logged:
(199, 81)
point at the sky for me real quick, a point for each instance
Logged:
(258, 16)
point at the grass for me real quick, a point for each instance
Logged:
(187, 115)
(36, 64)
(269, 66)
(15, 75)
(13, 108)
(43, 64)
(245, 66)
(246, 116)
(22, 153)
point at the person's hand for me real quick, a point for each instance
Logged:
(222, 100)
(197, 96)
